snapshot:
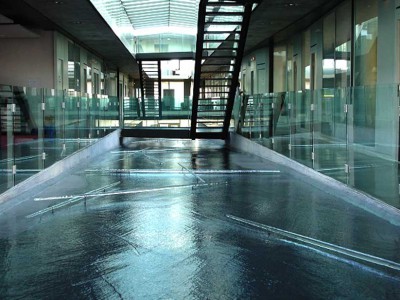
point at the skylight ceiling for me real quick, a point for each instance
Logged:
(145, 16)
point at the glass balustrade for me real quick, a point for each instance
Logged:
(42, 126)
(350, 134)
(173, 113)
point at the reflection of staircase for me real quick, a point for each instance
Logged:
(16, 120)
(131, 109)
(150, 78)
(257, 116)
(222, 31)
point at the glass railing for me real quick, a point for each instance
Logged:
(41, 126)
(350, 134)
(168, 113)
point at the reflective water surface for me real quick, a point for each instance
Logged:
(112, 232)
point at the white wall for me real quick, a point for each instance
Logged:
(28, 61)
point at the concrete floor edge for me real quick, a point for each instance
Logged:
(353, 196)
(104, 144)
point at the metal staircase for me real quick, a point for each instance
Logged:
(222, 31)
(150, 78)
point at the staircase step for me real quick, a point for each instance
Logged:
(218, 79)
(217, 111)
(216, 64)
(219, 99)
(215, 72)
(221, 32)
(223, 23)
(236, 4)
(210, 120)
(216, 86)
(224, 13)
(222, 49)
(219, 56)
(219, 41)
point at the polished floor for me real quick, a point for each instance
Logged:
(182, 219)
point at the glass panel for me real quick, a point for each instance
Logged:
(176, 95)
(52, 147)
(372, 146)
(91, 116)
(258, 117)
(236, 112)
(328, 63)
(42, 126)
(84, 118)
(330, 137)
(11, 155)
(60, 123)
(71, 122)
(280, 122)
(113, 113)
(28, 131)
(343, 46)
(364, 106)
(306, 55)
(98, 115)
(4, 92)
(279, 68)
(301, 136)
(266, 116)
(366, 32)
(247, 116)
(342, 147)
(7, 137)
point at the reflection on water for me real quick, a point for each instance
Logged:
(179, 244)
